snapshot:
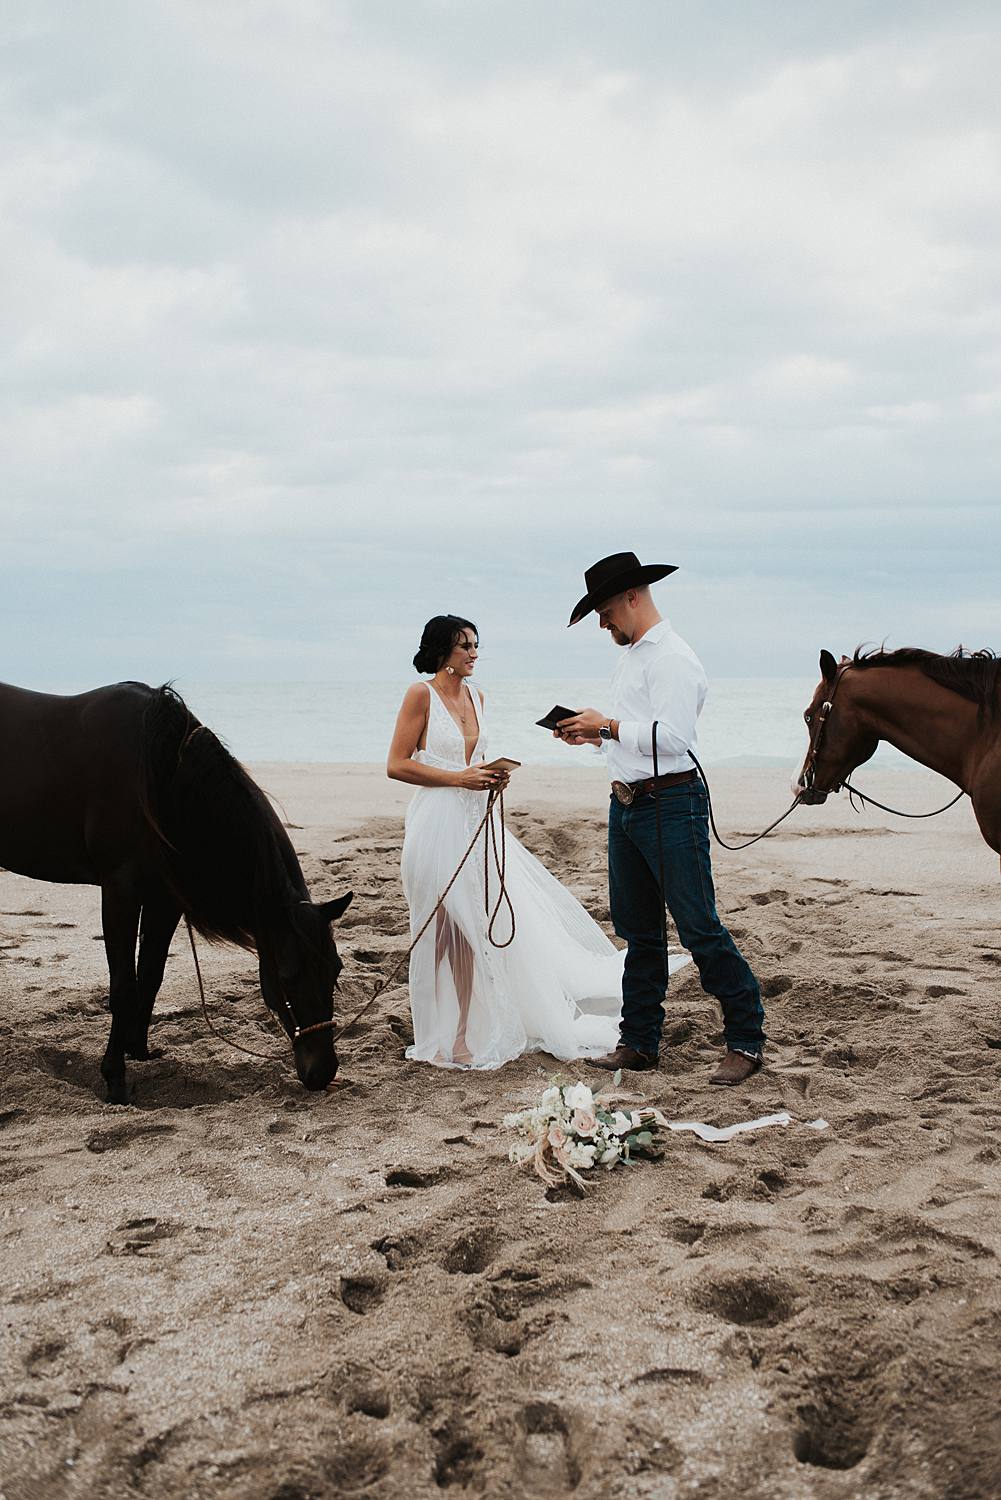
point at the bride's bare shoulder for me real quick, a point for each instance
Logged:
(415, 699)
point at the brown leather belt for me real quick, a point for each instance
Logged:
(627, 791)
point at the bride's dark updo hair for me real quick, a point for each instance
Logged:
(440, 635)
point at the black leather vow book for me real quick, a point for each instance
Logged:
(554, 716)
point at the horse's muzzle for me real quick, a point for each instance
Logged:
(316, 1068)
(810, 797)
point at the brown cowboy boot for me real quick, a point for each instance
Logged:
(736, 1067)
(624, 1057)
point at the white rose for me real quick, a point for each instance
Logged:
(621, 1123)
(581, 1156)
(579, 1096)
(610, 1157)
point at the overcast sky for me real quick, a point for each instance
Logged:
(323, 317)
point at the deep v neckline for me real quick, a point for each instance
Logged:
(458, 725)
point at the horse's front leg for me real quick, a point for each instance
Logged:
(160, 916)
(120, 917)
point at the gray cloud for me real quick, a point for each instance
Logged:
(323, 317)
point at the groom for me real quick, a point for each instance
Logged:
(659, 678)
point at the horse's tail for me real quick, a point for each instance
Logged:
(185, 774)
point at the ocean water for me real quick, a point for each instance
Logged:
(745, 722)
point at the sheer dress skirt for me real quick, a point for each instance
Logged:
(557, 987)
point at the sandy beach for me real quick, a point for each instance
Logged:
(235, 1288)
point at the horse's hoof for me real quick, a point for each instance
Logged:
(145, 1054)
(118, 1094)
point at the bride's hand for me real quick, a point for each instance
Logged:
(479, 779)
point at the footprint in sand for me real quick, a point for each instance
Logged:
(493, 1313)
(42, 1356)
(118, 1136)
(471, 1252)
(139, 1236)
(397, 1250)
(358, 1466)
(545, 1459)
(360, 1294)
(359, 1388)
(833, 1433)
(414, 1177)
(458, 1457)
(764, 1300)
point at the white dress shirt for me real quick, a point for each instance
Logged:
(658, 677)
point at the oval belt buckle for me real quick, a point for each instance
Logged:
(623, 793)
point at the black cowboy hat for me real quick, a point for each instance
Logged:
(613, 575)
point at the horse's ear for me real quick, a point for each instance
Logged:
(828, 666)
(331, 910)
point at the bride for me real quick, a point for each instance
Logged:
(558, 986)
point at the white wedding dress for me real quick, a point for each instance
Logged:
(558, 986)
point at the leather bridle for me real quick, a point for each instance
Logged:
(297, 1030)
(810, 794)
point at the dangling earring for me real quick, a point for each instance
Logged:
(450, 671)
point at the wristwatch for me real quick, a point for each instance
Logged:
(605, 731)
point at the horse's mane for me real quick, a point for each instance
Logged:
(223, 850)
(971, 674)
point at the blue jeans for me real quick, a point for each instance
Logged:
(635, 900)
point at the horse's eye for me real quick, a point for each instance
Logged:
(806, 717)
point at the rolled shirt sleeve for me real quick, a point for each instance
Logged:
(674, 685)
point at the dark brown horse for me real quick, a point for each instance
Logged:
(943, 711)
(123, 788)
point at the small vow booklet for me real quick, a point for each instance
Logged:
(554, 716)
(501, 764)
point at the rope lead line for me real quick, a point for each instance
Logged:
(735, 848)
(500, 863)
(267, 1056)
(851, 790)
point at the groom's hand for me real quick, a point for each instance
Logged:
(582, 729)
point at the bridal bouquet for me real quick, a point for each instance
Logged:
(572, 1130)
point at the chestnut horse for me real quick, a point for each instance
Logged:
(941, 710)
(123, 788)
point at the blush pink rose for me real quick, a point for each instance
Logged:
(584, 1122)
(557, 1137)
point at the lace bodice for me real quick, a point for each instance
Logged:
(445, 746)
